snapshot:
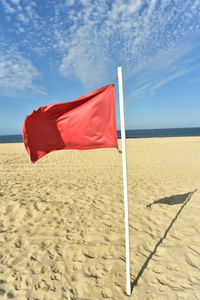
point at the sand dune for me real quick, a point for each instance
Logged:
(62, 222)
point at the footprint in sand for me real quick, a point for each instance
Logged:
(193, 260)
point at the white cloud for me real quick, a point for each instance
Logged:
(17, 72)
(30, 11)
(25, 14)
(8, 8)
(69, 2)
(8, 18)
(170, 78)
(85, 2)
(16, 2)
(134, 34)
(164, 67)
(137, 93)
(149, 38)
(87, 71)
(22, 18)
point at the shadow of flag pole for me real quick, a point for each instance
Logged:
(123, 140)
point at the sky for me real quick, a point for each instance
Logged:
(54, 51)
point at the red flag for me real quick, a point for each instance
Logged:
(88, 122)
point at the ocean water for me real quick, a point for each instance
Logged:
(168, 132)
(142, 133)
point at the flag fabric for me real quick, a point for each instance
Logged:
(88, 122)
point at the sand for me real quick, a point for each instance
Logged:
(62, 222)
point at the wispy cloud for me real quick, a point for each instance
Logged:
(16, 2)
(163, 68)
(151, 39)
(17, 72)
(23, 17)
(8, 8)
(142, 36)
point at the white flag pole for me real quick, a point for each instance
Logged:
(123, 139)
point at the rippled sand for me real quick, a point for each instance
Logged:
(62, 222)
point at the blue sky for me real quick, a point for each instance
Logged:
(54, 51)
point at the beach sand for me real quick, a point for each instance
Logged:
(62, 222)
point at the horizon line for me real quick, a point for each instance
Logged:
(163, 128)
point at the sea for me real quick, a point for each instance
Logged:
(136, 134)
